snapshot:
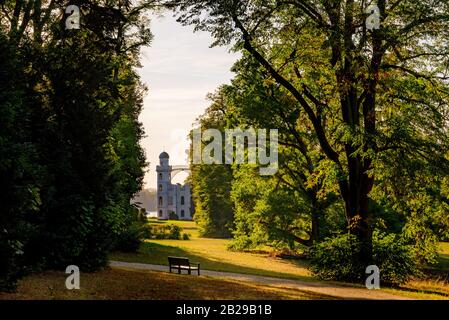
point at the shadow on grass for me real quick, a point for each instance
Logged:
(121, 284)
(425, 291)
(439, 273)
(443, 262)
(154, 221)
(153, 253)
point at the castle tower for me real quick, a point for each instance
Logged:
(164, 197)
(172, 198)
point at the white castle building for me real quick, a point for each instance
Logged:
(172, 198)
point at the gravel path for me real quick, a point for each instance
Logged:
(315, 287)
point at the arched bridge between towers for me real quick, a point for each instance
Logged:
(177, 169)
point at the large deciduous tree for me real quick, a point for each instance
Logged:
(351, 83)
(211, 184)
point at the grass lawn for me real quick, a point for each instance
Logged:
(213, 255)
(122, 284)
(440, 284)
(443, 260)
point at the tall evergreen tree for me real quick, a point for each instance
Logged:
(71, 101)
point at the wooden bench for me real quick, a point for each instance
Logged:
(183, 264)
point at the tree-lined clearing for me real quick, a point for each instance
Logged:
(214, 255)
(362, 116)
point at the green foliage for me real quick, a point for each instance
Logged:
(332, 259)
(394, 258)
(165, 231)
(297, 201)
(131, 239)
(134, 230)
(362, 118)
(185, 236)
(10, 269)
(213, 208)
(211, 184)
(336, 259)
(19, 173)
(70, 154)
(173, 232)
(173, 216)
(269, 214)
(248, 193)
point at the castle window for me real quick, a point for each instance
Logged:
(182, 214)
(161, 201)
(160, 176)
(170, 201)
(182, 200)
(160, 213)
(160, 187)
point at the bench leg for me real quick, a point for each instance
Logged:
(198, 271)
(179, 270)
(190, 271)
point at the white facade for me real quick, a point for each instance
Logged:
(174, 198)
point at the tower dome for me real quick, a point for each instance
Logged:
(164, 155)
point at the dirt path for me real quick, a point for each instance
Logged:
(315, 287)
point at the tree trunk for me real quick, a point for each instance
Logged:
(357, 210)
(316, 212)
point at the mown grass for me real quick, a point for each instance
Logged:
(436, 281)
(122, 284)
(443, 259)
(213, 255)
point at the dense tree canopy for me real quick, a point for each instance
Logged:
(362, 114)
(70, 159)
(211, 184)
(371, 105)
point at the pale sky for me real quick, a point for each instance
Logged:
(180, 70)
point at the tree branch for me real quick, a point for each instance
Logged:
(324, 143)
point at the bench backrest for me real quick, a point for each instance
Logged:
(178, 261)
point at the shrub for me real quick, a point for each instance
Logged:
(243, 242)
(10, 269)
(174, 232)
(147, 231)
(167, 231)
(334, 259)
(394, 258)
(130, 239)
(20, 169)
(186, 236)
(173, 216)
